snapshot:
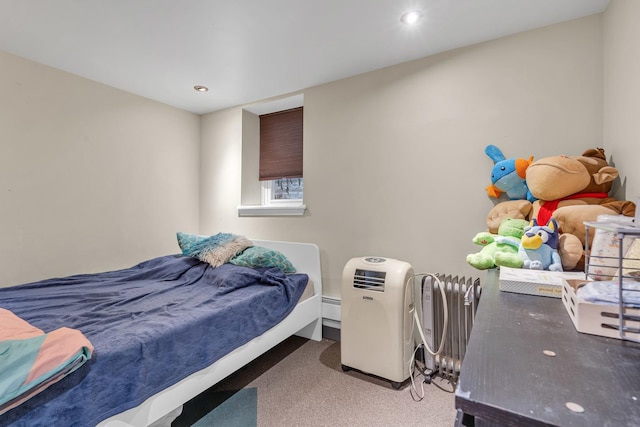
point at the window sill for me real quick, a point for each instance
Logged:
(260, 210)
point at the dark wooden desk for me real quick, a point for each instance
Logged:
(507, 380)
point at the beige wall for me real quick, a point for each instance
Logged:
(91, 178)
(622, 93)
(394, 161)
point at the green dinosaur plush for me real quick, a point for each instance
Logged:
(505, 245)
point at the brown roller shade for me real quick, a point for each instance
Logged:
(281, 144)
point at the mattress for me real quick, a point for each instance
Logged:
(308, 292)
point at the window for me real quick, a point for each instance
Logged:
(272, 182)
(282, 190)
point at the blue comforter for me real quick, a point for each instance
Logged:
(151, 325)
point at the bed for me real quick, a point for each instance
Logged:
(159, 407)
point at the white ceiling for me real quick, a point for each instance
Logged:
(249, 50)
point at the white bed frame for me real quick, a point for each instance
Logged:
(305, 320)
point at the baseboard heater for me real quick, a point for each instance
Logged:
(462, 295)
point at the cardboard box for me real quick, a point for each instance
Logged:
(535, 282)
(592, 318)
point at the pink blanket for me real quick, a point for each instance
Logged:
(31, 360)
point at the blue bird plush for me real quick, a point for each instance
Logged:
(539, 247)
(508, 176)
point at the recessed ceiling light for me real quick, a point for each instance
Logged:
(411, 17)
(201, 88)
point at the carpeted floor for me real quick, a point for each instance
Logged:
(301, 383)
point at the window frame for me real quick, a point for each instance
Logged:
(286, 207)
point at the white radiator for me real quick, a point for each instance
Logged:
(462, 299)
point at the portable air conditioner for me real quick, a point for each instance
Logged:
(376, 317)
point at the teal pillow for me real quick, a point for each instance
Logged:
(259, 256)
(190, 243)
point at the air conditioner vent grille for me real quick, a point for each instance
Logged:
(371, 280)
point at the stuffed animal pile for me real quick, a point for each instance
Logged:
(568, 190)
